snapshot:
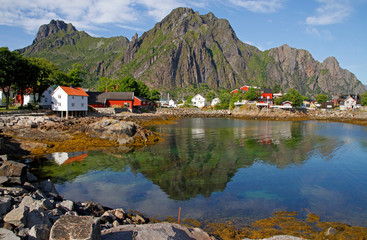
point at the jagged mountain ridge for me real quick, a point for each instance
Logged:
(186, 49)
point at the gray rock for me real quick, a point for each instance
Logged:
(38, 195)
(17, 216)
(3, 179)
(7, 234)
(279, 237)
(68, 205)
(34, 204)
(138, 219)
(37, 217)
(31, 177)
(54, 214)
(330, 231)
(13, 169)
(160, 231)
(5, 205)
(23, 232)
(49, 188)
(76, 227)
(39, 232)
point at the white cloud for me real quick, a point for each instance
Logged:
(259, 6)
(331, 12)
(319, 33)
(86, 14)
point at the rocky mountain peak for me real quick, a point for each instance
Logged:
(53, 27)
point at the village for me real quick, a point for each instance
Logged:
(75, 101)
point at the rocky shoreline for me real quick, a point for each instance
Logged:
(32, 210)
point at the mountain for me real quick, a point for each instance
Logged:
(186, 49)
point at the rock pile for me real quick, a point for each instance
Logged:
(123, 132)
(30, 209)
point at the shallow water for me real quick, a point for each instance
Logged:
(227, 169)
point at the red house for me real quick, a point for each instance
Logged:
(140, 102)
(267, 93)
(111, 99)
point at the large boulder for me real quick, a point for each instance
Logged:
(16, 172)
(162, 231)
(76, 227)
(17, 216)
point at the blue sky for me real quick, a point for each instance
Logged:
(323, 27)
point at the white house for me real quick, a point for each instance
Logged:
(172, 103)
(46, 97)
(198, 101)
(69, 100)
(350, 103)
(215, 101)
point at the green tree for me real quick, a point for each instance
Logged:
(76, 75)
(27, 77)
(364, 99)
(252, 94)
(128, 84)
(225, 99)
(10, 65)
(321, 98)
(210, 96)
(143, 90)
(105, 84)
(154, 95)
(46, 75)
(293, 96)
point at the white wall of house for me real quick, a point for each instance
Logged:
(46, 97)
(61, 101)
(215, 101)
(30, 99)
(172, 103)
(198, 101)
(350, 103)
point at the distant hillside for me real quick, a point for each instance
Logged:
(187, 49)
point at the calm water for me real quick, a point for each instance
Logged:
(227, 169)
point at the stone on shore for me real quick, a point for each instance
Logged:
(17, 216)
(5, 205)
(15, 171)
(7, 234)
(39, 232)
(76, 227)
(279, 237)
(162, 231)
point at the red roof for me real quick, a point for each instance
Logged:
(74, 91)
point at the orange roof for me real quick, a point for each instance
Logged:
(75, 91)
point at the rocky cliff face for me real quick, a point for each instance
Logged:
(187, 49)
(296, 68)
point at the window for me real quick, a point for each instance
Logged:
(72, 97)
(59, 103)
(82, 104)
(73, 104)
(49, 91)
(59, 96)
(82, 97)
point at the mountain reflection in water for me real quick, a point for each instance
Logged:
(224, 168)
